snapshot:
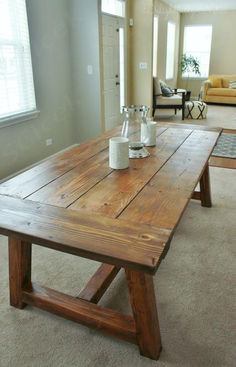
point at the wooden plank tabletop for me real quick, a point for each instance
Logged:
(152, 191)
(116, 242)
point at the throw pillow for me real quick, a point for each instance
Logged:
(165, 90)
(216, 82)
(225, 83)
(157, 86)
(232, 84)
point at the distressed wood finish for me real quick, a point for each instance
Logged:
(125, 185)
(205, 188)
(143, 303)
(19, 270)
(30, 181)
(196, 195)
(35, 178)
(190, 126)
(172, 188)
(76, 204)
(116, 242)
(99, 283)
(108, 321)
(73, 184)
(223, 162)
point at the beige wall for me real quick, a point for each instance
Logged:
(140, 38)
(24, 143)
(84, 31)
(165, 14)
(140, 50)
(223, 50)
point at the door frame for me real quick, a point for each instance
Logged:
(102, 62)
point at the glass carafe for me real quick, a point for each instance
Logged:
(134, 115)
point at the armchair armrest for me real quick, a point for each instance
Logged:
(179, 91)
(205, 87)
(158, 95)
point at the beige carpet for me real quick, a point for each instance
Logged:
(220, 116)
(194, 289)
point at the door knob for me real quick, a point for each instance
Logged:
(117, 83)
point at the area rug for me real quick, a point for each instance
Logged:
(226, 146)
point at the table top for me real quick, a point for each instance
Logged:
(153, 191)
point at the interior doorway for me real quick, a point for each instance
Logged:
(113, 41)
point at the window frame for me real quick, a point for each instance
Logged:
(197, 77)
(18, 118)
(155, 45)
(115, 15)
(174, 50)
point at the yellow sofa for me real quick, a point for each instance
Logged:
(216, 89)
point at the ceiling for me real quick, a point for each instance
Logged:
(201, 5)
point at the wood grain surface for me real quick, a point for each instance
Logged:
(31, 180)
(35, 178)
(113, 194)
(98, 284)
(184, 125)
(19, 269)
(153, 191)
(143, 303)
(116, 242)
(223, 162)
(103, 319)
(164, 198)
(75, 203)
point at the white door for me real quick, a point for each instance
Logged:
(111, 63)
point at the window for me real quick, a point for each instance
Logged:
(154, 46)
(122, 67)
(17, 95)
(170, 55)
(197, 43)
(114, 7)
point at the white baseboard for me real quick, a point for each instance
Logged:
(35, 164)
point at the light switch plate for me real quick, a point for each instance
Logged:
(90, 69)
(49, 141)
(143, 65)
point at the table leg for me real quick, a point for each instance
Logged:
(205, 188)
(99, 283)
(19, 270)
(143, 303)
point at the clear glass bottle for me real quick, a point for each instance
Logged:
(134, 115)
(144, 123)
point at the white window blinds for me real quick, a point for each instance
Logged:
(16, 78)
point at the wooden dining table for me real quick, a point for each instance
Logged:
(75, 203)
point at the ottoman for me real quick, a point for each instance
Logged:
(195, 110)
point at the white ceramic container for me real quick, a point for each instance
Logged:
(119, 153)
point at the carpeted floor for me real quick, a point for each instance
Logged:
(217, 116)
(195, 287)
